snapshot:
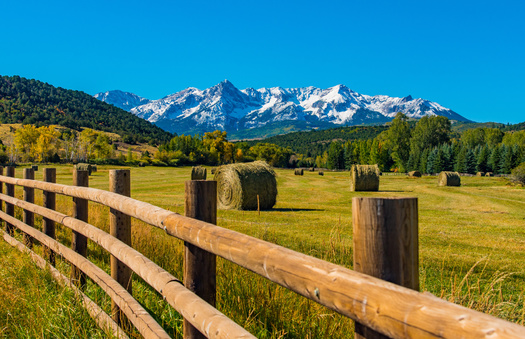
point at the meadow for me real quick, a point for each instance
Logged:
(471, 248)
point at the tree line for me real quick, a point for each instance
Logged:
(429, 147)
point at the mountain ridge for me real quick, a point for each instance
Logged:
(225, 107)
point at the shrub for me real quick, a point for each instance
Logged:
(518, 174)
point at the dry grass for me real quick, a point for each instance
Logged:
(472, 245)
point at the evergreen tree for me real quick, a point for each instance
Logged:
(438, 161)
(471, 162)
(423, 161)
(483, 159)
(335, 156)
(494, 160)
(397, 139)
(461, 161)
(430, 161)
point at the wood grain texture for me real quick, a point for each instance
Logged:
(199, 265)
(10, 190)
(120, 228)
(385, 237)
(29, 196)
(49, 201)
(102, 319)
(80, 212)
(140, 318)
(202, 315)
(393, 310)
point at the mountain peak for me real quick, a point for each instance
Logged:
(407, 98)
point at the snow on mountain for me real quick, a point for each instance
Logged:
(225, 107)
(124, 100)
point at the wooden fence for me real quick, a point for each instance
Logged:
(385, 245)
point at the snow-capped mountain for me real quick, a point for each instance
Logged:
(124, 100)
(227, 108)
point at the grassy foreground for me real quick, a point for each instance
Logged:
(472, 246)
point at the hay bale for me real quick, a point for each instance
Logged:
(298, 171)
(364, 178)
(480, 174)
(34, 167)
(489, 174)
(238, 186)
(312, 169)
(83, 167)
(198, 173)
(94, 168)
(449, 179)
(414, 174)
(321, 173)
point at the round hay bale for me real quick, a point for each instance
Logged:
(93, 168)
(489, 174)
(83, 167)
(198, 173)
(414, 174)
(480, 174)
(312, 169)
(449, 179)
(364, 178)
(238, 186)
(298, 171)
(321, 173)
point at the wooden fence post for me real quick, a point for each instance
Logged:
(29, 196)
(10, 208)
(80, 212)
(120, 228)
(50, 175)
(1, 189)
(386, 244)
(200, 265)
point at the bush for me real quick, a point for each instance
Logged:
(518, 174)
(156, 162)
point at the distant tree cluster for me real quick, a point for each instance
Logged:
(214, 149)
(429, 147)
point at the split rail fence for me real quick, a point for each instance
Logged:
(385, 247)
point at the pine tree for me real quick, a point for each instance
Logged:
(494, 159)
(430, 161)
(482, 160)
(461, 161)
(471, 162)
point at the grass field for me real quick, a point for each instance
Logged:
(471, 242)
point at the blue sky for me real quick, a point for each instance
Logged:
(466, 55)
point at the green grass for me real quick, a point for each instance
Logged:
(471, 243)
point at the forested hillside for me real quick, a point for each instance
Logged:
(316, 142)
(29, 101)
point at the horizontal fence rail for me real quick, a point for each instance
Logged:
(101, 318)
(387, 308)
(201, 315)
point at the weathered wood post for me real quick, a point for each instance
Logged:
(80, 212)
(120, 228)
(10, 208)
(200, 265)
(386, 244)
(49, 201)
(29, 196)
(1, 188)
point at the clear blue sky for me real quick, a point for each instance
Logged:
(466, 55)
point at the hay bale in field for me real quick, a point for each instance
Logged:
(449, 179)
(489, 174)
(312, 169)
(83, 167)
(321, 173)
(213, 170)
(94, 168)
(198, 173)
(238, 186)
(480, 174)
(34, 167)
(298, 171)
(414, 174)
(364, 178)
